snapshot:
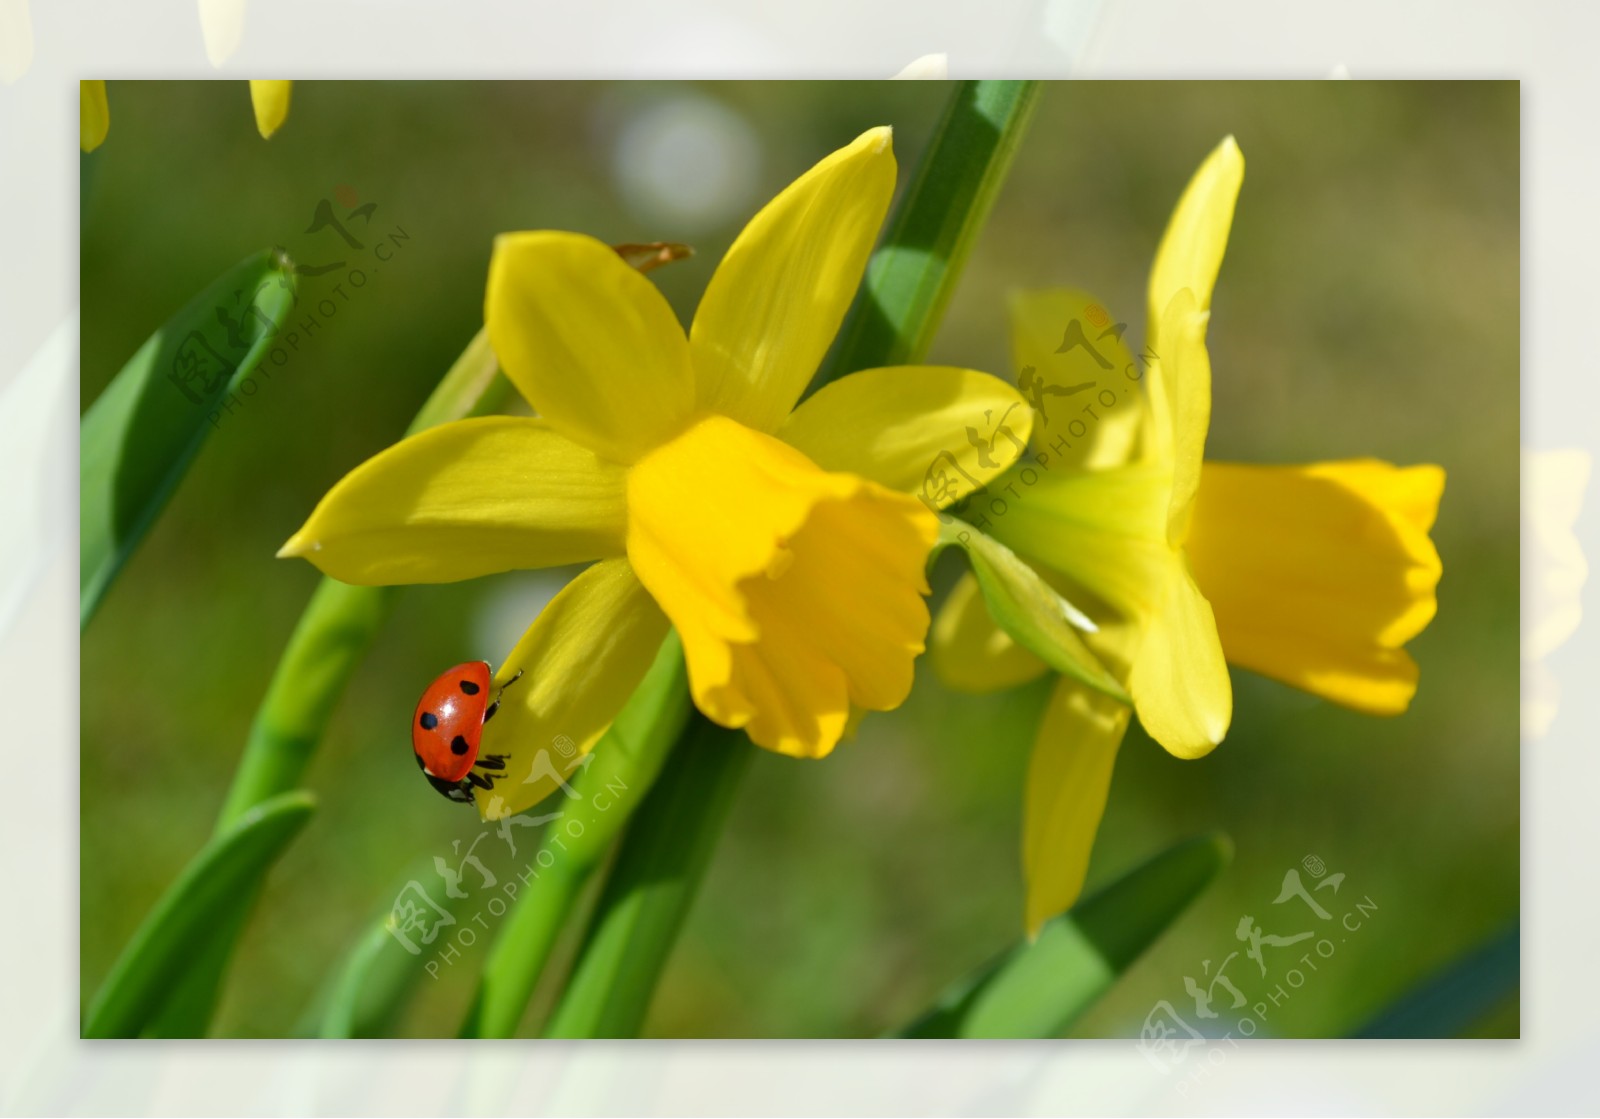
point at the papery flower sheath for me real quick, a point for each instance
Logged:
(269, 99)
(1315, 575)
(783, 543)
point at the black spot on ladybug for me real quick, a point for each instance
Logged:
(458, 745)
(469, 687)
(429, 720)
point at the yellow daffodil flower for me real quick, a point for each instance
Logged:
(269, 99)
(1315, 575)
(783, 543)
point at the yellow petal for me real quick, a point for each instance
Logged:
(909, 427)
(271, 103)
(588, 341)
(797, 592)
(1179, 679)
(1180, 404)
(1104, 534)
(1197, 235)
(972, 654)
(580, 661)
(1320, 574)
(94, 115)
(778, 297)
(1078, 376)
(466, 499)
(1069, 777)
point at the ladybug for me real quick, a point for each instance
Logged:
(447, 727)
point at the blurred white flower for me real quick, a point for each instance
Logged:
(16, 40)
(1554, 566)
(222, 25)
(35, 497)
(935, 67)
(686, 164)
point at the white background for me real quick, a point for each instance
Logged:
(43, 51)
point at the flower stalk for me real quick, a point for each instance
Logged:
(665, 851)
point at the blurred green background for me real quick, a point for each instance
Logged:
(1369, 305)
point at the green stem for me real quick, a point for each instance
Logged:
(652, 885)
(340, 624)
(908, 283)
(608, 792)
(912, 275)
(333, 635)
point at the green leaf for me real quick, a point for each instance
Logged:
(186, 1012)
(139, 437)
(1029, 609)
(667, 846)
(1040, 989)
(370, 985)
(626, 762)
(370, 988)
(1451, 1002)
(183, 923)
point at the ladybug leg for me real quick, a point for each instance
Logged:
(459, 791)
(495, 706)
(480, 780)
(491, 761)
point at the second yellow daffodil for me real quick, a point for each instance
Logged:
(783, 543)
(1315, 575)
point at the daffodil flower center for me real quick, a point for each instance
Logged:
(798, 593)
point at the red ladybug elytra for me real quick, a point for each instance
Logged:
(448, 725)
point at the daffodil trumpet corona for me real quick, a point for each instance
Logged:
(785, 543)
(1316, 575)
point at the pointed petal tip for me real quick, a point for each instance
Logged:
(270, 101)
(1229, 150)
